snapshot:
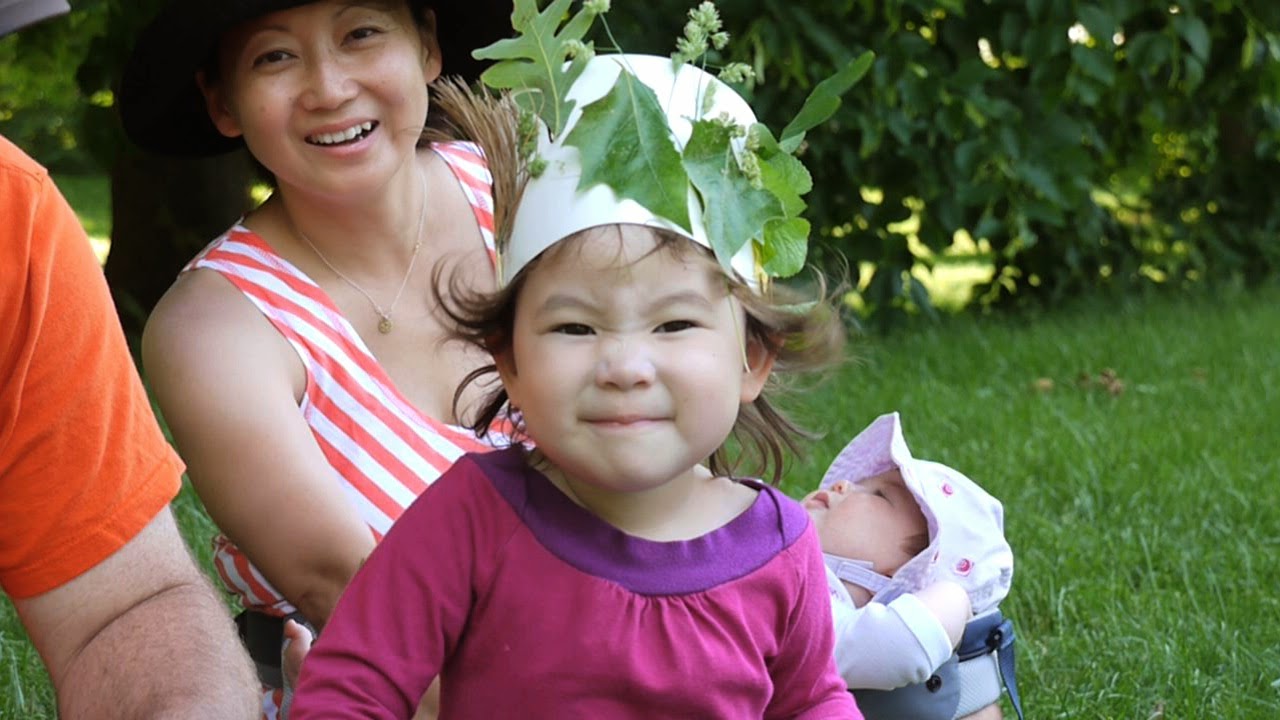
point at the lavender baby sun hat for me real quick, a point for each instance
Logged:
(966, 524)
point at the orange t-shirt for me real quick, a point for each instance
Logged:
(83, 464)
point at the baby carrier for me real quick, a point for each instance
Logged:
(968, 682)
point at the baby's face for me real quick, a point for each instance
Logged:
(876, 519)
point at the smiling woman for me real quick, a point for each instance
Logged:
(291, 356)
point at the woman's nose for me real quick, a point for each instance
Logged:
(329, 84)
(624, 364)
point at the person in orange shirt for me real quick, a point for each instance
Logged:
(125, 622)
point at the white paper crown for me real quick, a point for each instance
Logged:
(552, 206)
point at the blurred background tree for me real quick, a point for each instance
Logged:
(1060, 145)
(1069, 145)
(57, 81)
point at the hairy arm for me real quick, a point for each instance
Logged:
(142, 635)
(228, 384)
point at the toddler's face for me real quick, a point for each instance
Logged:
(876, 519)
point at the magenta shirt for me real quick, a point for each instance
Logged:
(529, 606)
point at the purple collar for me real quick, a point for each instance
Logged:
(647, 567)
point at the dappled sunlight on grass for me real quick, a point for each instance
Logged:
(949, 276)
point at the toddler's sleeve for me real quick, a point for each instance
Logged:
(806, 684)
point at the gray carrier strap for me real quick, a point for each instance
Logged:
(986, 661)
(967, 682)
(937, 698)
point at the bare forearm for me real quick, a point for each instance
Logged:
(173, 655)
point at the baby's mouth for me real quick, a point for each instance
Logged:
(343, 137)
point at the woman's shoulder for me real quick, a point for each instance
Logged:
(203, 323)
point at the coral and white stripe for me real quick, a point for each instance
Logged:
(384, 452)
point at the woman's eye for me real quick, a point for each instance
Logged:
(675, 326)
(274, 56)
(572, 329)
(363, 32)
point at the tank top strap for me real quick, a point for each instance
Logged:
(468, 164)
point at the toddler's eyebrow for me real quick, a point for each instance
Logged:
(685, 297)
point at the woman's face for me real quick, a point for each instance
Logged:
(330, 96)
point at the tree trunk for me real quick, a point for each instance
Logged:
(164, 210)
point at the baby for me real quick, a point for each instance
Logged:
(917, 563)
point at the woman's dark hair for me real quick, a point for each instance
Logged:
(803, 333)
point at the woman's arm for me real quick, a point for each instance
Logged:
(228, 385)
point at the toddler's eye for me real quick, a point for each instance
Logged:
(675, 326)
(572, 329)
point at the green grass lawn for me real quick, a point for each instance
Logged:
(1145, 523)
(1133, 443)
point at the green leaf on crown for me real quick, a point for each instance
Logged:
(823, 102)
(786, 244)
(734, 211)
(624, 142)
(781, 173)
(533, 62)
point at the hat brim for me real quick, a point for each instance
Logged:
(162, 109)
(17, 14)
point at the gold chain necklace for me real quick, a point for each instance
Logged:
(384, 316)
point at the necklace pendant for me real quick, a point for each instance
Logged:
(384, 325)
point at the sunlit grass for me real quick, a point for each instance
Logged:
(1133, 442)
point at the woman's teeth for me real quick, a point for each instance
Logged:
(343, 136)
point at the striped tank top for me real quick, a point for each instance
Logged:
(384, 452)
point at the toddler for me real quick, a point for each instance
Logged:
(613, 565)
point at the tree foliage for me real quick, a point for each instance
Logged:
(1078, 142)
(41, 105)
(1113, 142)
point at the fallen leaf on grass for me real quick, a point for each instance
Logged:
(1108, 379)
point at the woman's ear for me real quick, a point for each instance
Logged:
(759, 356)
(432, 65)
(215, 104)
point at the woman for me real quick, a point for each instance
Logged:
(298, 359)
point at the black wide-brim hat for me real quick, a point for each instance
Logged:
(163, 110)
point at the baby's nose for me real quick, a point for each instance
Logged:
(841, 486)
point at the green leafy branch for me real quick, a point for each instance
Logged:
(541, 63)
